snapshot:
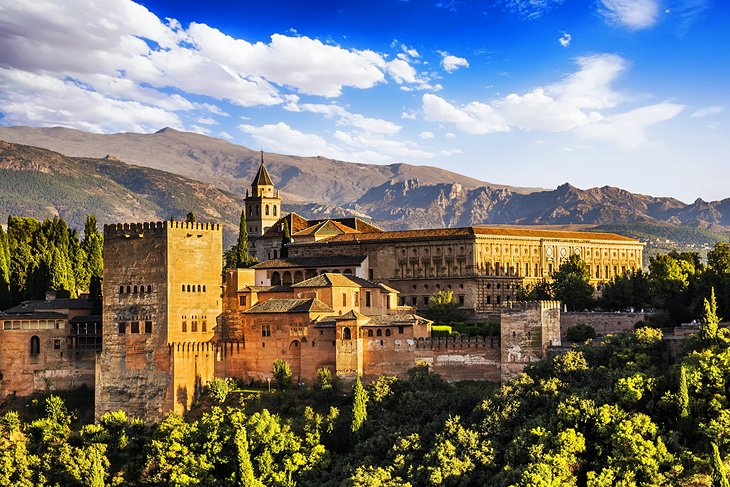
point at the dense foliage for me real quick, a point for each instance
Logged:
(36, 257)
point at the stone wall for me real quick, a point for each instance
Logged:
(604, 323)
(473, 358)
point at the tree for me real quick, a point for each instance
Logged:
(541, 290)
(443, 309)
(5, 298)
(190, 217)
(719, 476)
(683, 393)
(93, 245)
(580, 333)
(239, 253)
(285, 238)
(709, 321)
(245, 476)
(359, 405)
(282, 373)
(671, 280)
(571, 283)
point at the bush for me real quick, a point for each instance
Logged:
(326, 380)
(218, 389)
(580, 333)
(441, 331)
(282, 373)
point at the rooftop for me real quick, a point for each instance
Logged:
(396, 320)
(336, 280)
(290, 306)
(325, 261)
(41, 305)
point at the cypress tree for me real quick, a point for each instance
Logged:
(719, 477)
(5, 300)
(683, 394)
(190, 218)
(79, 262)
(285, 239)
(359, 405)
(244, 469)
(93, 245)
(240, 256)
(709, 321)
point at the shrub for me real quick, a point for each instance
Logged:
(218, 389)
(441, 331)
(326, 380)
(580, 333)
(282, 373)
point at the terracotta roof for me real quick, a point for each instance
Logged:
(53, 304)
(470, 232)
(289, 306)
(396, 320)
(337, 280)
(324, 261)
(329, 321)
(296, 224)
(33, 316)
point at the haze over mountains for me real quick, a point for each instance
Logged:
(174, 172)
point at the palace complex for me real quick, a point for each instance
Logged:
(339, 293)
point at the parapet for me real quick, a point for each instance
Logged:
(456, 343)
(522, 306)
(153, 229)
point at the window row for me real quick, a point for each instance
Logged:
(135, 289)
(404, 300)
(33, 324)
(194, 326)
(193, 288)
(268, 210)
(134, 327)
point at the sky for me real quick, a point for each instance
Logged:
(627, 93)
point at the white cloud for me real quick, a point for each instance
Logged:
(632, 14)
(452, 63)
(408, 115)
(426, 135)
(576, 102)
(344, 117)
(280, 137)
(565, 39)
(450, 135)
(531, 9)
(207, 121)
(225, 135)
(708, 111)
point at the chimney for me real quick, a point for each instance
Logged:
(50, 295)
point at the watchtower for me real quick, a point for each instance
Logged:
(263, 205)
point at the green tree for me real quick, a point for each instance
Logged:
(282, 373)
(443, 309)
(359, 405)
(190, 217)
(683, 393)
(93, 245)
(541, 290)
(719, 476)
(709, 321)
(285, 238)
(571, 283)
(671, 280)
(240, 250)
(245, 476)
(580, 333)
(5, 297)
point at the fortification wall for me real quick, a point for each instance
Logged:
(604, 323)
(52, 369)
(473, 358)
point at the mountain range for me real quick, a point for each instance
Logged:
(130, 176)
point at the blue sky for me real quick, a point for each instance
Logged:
(628, 93)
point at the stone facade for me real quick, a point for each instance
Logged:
(603, 322)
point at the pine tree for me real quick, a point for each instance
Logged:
(709, 321)
(683, 394)
(285, 239)
(359, 405)
(244, 469)
(240, 251)
(93, 245)
(719, 477)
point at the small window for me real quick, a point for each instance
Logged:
(266, 209)
(387, 332)
(275, 215)
(346, 334)
(129, 289)
(194, 326)
(367, 298)
(188, 287)
(135, 327)
(135, 290)
(185, 326)
(461, 300)
(57, 344)
(425, 300)
(121, 328)
(121, 289)
(205, 326)
(344, 299)
(242, 300)
(149, 288)
(203, 287)
(400, 330)
(265, 330)
(35, 345)
(183, 288)
(199, 288)
(370, 333)
(379, 332)
(141, 289)
(148, 327)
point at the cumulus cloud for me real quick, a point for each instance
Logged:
(565, 39)
(426, 135)
(452, 63)
(280, 137)
(632, 14)
(708, 111)
(583, 99)
(130, 59)
(344, 117)
(531, 9)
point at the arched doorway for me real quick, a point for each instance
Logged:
(286, 278)
(294, 357)
(298, 276)
(275, 279)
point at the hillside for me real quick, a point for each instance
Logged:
(232, 167)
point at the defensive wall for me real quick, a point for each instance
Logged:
(603, 322)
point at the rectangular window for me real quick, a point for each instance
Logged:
(415, 300)
(598, 272)
(370, 274)
(357, 298)
(499, 299)
(537, 271)
(185, 326)
(205, 326)
(527, 270)
(425, 300)
(242, 300)
(344, 299)
(367, 299)
(148, 327)
(122, 328)
(461, 300)
(550, 268)
(402, 300)
(387, 301)
(265, 330)
(400, 330)
(194, 326)
(608, 273)
(489, 300)
(56, 344)
(134, 327)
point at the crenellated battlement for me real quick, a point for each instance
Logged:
(224, 346)
(154, 229)
(522, 306)
(457, 343)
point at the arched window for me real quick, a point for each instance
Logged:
(275, 254)
(347, 271)
(149, 288)
(298, 276)
(135, 289)
(35, 345)
(121, 289)
(274, 210)
(275, 279)
(379, 332)
(370, 333)
(183, 288)
(346, 334)
(199, 288)
(266, 209)
(203, 287)
(286, 278)
(188, 287)
(387, 332)
(129, 289)
(141, 289)
(250, 211)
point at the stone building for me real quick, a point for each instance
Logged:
(162, 303)
(484, 267)
(48, 345)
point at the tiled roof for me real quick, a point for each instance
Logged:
(396, 320)
(87, 319)
(296, 224)
(289, 306)
(33, 316)
(336, 280)
(470, 232)
(324, 261)
(42, 305)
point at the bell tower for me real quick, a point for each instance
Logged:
(263, 205)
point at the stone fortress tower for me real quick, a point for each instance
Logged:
(263, 205)
(162, 300)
